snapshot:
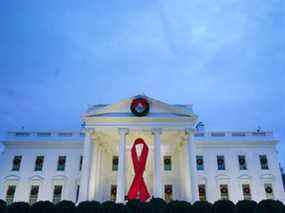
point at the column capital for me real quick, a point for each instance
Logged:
(156, 131)
(123, 131)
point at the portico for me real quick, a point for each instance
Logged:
(165, 132)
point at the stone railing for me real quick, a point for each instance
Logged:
(233, 134)
(45, 134)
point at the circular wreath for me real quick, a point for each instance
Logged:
(114, 191)
(57, 191)
(264, 161)
(17, 161)
(246, 190)
(39, 161)
(199, 161)
(268, 189)
(168, 190)
(167, 161)
(10, 191)
(220, 161)
(34, 191)
(242, 161)
(140, 107)
(224, 190)
(202, 190)
(61, 161)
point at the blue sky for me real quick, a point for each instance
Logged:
(226, 57)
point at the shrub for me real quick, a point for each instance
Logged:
(108, 207)
(272, 206)
(178, 207)
(19, 207)
(134, 206)
(42, 207)
(120, 208)
(88, 207)
(65, 206)
(157, 205)
(246, 206)
(224, 206)
(202, 207)
(3, 206)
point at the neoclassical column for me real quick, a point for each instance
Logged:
(191, 153)
(85, 170)
(157, 185)
(121, 174)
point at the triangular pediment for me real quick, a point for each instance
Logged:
(157, 108)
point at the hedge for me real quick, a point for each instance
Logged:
(155, 205)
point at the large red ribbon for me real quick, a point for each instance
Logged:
(138, 188)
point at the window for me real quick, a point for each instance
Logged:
(200, 163)
(113, 192)
(246, 192)
(167, 163)
(242, 162)
(39, 163)
(202, 192)
(80, 163)
(115, 163)
(168, 193)
(263, 162)
(77, 193)
(17, 163)
(224, 192)
(57, 193)
(10, 194)
(221, 162)
(269, 191)
(34, 193)
(61, 163)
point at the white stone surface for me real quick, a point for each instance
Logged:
(173, 121)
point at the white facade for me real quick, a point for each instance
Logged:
(169, 133)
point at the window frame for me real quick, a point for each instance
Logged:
(223, 166)
(61, 167)
(167, 166)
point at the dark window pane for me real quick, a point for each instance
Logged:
(263, 162)
(61, 163)
(167, 163)
(242, 162)
(200, 162)
(221, 162)
(115, 163)
(17, 163)
(39, 163)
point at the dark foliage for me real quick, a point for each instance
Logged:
(202, 207)
(178, 207)
(157, 205)
(246, 206)
(19, 207)
(120, 208)
(88, 207)
(108, 207)
(135, 206)
(42, 207)
(224, 206)
(65, 206)
(3, 206)
(270, 206)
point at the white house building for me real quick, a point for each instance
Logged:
(182, 163)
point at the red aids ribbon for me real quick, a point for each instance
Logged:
(138, 188)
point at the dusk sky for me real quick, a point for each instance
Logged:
(226, 57)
